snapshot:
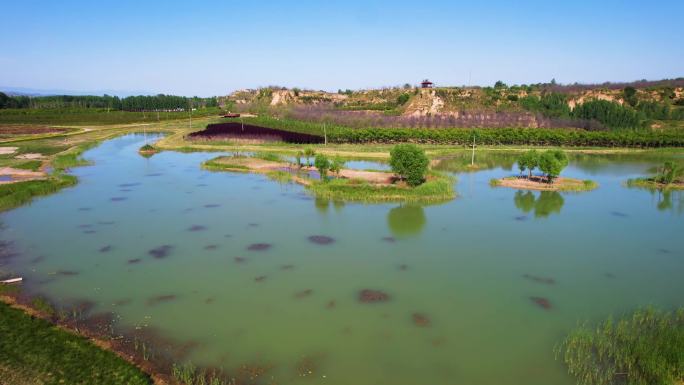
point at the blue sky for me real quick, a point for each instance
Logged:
(213, 47)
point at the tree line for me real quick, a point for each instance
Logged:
(158, 102)
(608, 114)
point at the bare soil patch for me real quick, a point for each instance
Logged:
(542, 184)
(8, 150)
(13, 175)
(264, 166)
(13, 130)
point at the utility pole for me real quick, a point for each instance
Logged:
(325, 135)
(191, 113)
(472, 158)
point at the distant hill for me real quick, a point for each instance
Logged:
(589, 106)
(23, 91)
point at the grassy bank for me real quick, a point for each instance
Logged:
(33, 351)
(16, 194)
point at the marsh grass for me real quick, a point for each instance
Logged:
(644, 348)
(16, 194)
(189, 374)
(42, 305)
(653, 184)
(268, 156)
(34, 351)
(213, 165)
(279, 176)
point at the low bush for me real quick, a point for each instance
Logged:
(409, 162)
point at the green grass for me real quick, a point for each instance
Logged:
(651, 183)
(438, 188)
(16, 194)
(272, 157)
(94, 116)
(279, 176)
(32, 165)
(33, 351)
(644, 348)
(45, 147)
(213, 165)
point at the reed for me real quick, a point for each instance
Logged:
(644, 348)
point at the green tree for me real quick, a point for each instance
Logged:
(629, 94)
(552, 163)
(611, 114)
(323, 165)
(669, 172)
(409, 162)
(336, 165)
(309, 153)
(528, 161)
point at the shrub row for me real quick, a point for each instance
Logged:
(511, 136)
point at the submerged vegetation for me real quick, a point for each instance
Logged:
(644, 348)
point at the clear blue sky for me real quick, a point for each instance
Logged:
(214, 47)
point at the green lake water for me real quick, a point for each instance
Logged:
(471, 266)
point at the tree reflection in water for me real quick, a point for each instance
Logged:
(406, 220)
(543, 205)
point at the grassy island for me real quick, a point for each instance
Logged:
(540, 183)
(551, 163)
(411, 182)
(147, 150)
(669, 177)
